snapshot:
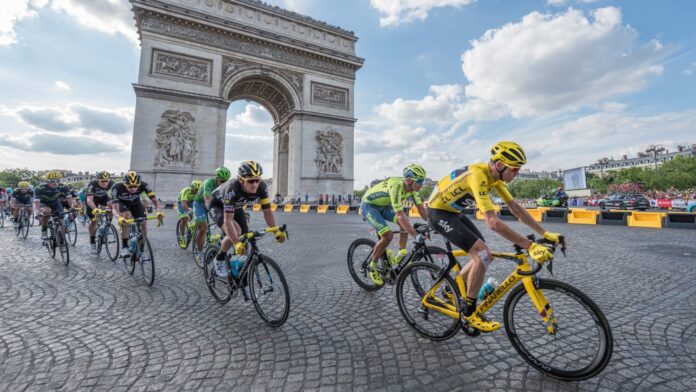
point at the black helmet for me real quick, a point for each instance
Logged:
(250, 169)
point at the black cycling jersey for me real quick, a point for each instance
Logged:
(23, 197)
(120, 193)
(99, 195)
(231, 195)
(71, 193)
(45, 193)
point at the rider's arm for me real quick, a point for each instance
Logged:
(396, 196)
(156, 203)
(90, 202)
(269, 217)
(523, 215)
(504, 230)
(423, 211)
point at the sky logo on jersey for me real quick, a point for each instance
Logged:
(447, 228)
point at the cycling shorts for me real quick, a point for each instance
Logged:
(378, 216)
(455, 226)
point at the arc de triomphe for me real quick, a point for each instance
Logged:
(198, 56)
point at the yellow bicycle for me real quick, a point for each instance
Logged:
(555, 327)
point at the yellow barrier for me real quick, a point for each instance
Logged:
(646, 219)
(304, 208)
(578, 216)
(543, 209)
(413, 212)
(256, 207)
(342, 209)
(274, 207)
(536, 213)
(288, 208)
(322, 209)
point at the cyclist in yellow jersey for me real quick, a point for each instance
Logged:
(472, 183)
(384, 202)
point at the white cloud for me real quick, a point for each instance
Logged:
(73, 118)
(556, 3)
(61, 144)
(394, 12)
(548, 62)
(254, 117)
(12, 12)
(108, 16)
(690, 71)
(438, 106)
(61, 85)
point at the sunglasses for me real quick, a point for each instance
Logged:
(254, 181)
(132, 186)
(420, 182)
(52, 181)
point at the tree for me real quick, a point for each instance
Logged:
(425, 192)
(360, 192)
(534, 188)
(11, 177)
(679, 173)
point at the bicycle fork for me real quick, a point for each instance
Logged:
(531, 285)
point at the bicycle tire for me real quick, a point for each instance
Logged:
(24, 224)
(568, 330)
(223, 293)
(18, 229)
(63, 245)
(129, 262)
(361, 276)
(111, 239)
(419, 315)
(51, 242)
(259, 291)
(181, 238)
(2, 217)
(147, 262)
(436, 256)
(71, 232)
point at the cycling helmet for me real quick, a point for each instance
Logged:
(250, 169)
(195, 185)
(103, 175)
(23, 185)
(509, 153)
(222, 173)
(54, 175)
(414, 171)
(132, 178)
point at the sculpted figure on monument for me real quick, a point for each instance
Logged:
(329, 151)
(176, 139)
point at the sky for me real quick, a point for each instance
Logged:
(572, 81)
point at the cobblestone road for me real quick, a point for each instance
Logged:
(92, 326)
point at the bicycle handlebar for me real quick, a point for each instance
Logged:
(549, 244)
(259, 234)
(122, 222)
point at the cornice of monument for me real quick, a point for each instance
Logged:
(188, 16)
(142, 90)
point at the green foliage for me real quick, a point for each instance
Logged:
(360, 192)
(425, 192)
(679, 173)
(532, 189)
(11, 177)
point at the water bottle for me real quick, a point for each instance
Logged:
(236, 265)
(487, 289)
(132, 244)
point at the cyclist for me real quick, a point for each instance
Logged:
(75, 199)
(384, 202)
(184, 203)
(126, 204)
(47, 198)
(21, 197)
(202, 199)
(97, 196)
(3, 198)
(227, 208)
(470, 183)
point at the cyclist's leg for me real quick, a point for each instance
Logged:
(14, 206)
(137, 209)
(183, 216)
(125, 214)
(201, 223)
(92, 228)
(240, 221)
(375, 216)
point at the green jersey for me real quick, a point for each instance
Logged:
(186, 195)
(390, 192)
(207, 188)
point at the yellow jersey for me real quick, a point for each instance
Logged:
(466, 185)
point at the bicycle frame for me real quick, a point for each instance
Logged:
(522, 273)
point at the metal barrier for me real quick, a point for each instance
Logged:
(304, 208)
(342, 209)
(677, 220)
(616, 218)
(288, 207)
(506, 214)
(322, 209)
(556, 215)
(582, 217)
(646, 219)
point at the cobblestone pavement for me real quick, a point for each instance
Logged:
(92, 326)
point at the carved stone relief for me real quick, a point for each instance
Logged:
(176, 139)
(246, 46)
(329, 151)
(231, 66)
(180, 66)
(332, 96)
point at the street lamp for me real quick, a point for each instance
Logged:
(655, 149)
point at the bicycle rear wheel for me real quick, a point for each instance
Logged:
(182, 237)
(24, 225)
(359, 258)
(269, 291)
(112, 242)
(413, 282)
(220, 288)
(582, 343)
(51, 242)
(147, 262)
(18, 229)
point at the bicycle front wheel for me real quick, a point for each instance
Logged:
(359, 257)
(581, 344)
(412, 284)
(269, 291)
(111, 241)
(71, 231)
(182, 237)
(220, 288)
(63, 245)
(24, 224)
(147, 262)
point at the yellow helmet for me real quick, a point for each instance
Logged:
(54, 175)
(510, 154)
(195, 185)
(132, 178)
(23, 185)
